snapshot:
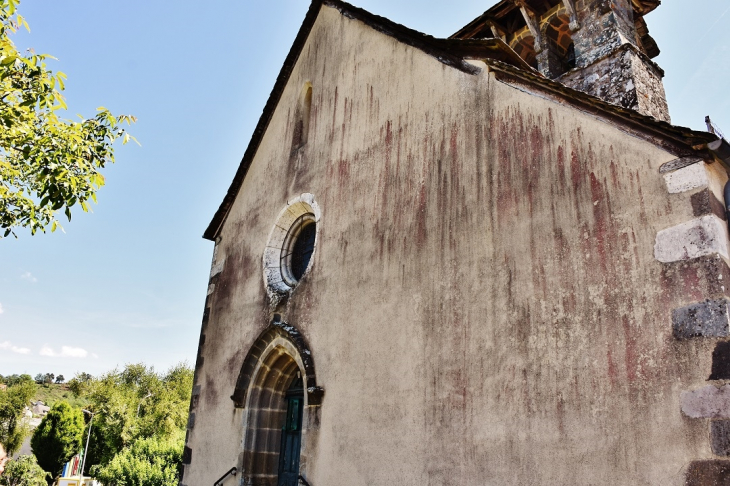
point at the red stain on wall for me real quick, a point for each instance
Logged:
(631, 352)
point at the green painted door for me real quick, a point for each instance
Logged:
(291, 435)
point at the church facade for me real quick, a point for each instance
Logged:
(482, 260)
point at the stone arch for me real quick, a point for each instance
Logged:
(523, 43)
(277, 278)
(277, 329)
(557, 11)
(279, 357)
(558, 54)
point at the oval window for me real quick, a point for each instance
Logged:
(298, 248)
(291, 246)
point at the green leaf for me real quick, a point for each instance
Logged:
(46, 162)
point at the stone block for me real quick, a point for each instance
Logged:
(705, 202)
(693, 239)
(708, 402)
(720, 437)
(708, 473)
(687, 178)
(703, 319)
(187, 456)
(707, 276)
(217, 268)
(721, 362)
(617, 73)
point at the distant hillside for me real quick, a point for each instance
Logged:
(50, 394)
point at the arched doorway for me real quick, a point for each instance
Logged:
(278, 391)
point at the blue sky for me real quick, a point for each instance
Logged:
(127, 283)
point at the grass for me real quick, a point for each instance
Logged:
(53, 393)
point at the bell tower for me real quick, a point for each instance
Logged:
(600, 47)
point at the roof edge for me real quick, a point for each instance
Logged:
(213, 229)
(434, 47)
(679, 140)
(452, 52)
(640, 8)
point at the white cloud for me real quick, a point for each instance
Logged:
(15, 349)
(29, 277)
(1, 309)
(66, 352)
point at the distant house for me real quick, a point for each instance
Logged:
(40, 408)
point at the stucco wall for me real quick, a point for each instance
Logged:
(484, 305)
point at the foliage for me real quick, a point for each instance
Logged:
(153, 461)
(47, 164)
(60, 379)
(135, 403)
(78, 383)
(11, 380)
(24, 471)
(13, 401)
(45, 378)
(51, 394)
(58, 437)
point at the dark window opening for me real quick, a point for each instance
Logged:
(569, 60)
(302, 250)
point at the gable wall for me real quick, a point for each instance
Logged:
(484, 305)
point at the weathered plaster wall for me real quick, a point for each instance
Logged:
(484, 305)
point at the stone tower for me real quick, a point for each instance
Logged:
(600, 47)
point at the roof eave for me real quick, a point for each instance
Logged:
(211, 233)
(426, 43)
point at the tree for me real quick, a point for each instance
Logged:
(78, 383)
(24, 471)
(58, 437)
(48, 378)
(11, 380)
(40, 378)
(13, 429)
(133, 404)
(152, 461)
(24, 378)
(47, 164)
(60, 379)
